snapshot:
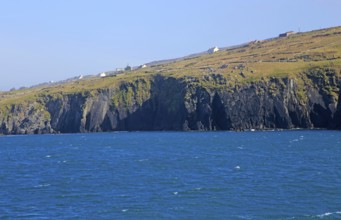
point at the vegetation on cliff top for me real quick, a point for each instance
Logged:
(294, 57)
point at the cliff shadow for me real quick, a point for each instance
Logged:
(164, 110)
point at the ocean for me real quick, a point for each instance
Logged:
(172, 175)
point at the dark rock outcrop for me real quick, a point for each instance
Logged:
(25, 119)
(336, 124)
(66, 113)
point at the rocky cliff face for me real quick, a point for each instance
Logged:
(25, 119)
(209, 102)
(336, 124)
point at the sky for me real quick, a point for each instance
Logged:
(43, 41)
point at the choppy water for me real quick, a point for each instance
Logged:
(170, 175)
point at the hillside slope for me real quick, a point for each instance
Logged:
(289, 82)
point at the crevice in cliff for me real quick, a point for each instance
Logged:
(66, 113)
(219, 116)
(320, 116)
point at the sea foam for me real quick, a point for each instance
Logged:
(328, 214)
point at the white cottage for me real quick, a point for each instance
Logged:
(102, 75)
(213, 50)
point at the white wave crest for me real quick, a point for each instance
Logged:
(328, 214)
(41, 185)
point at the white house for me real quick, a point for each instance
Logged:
(102, 75)
(142, 66)
(213, 50)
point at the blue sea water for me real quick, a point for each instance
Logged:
(172, 175)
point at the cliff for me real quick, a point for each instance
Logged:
(167, 103)
(194, 94)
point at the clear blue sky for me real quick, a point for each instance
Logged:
(54, 40)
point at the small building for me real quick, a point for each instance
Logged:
(142, 66)
(102, 75)
(213, 50)
(119, 69)
(287, 34)
(80, 77)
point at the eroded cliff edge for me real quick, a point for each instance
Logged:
(160, 102)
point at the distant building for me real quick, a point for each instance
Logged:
(213, 50)
(80, 77)
(119, 69)
(286, 34)
(110, 73)
(142, 66)
(102, 75)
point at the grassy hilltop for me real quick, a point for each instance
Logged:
(290, 56)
